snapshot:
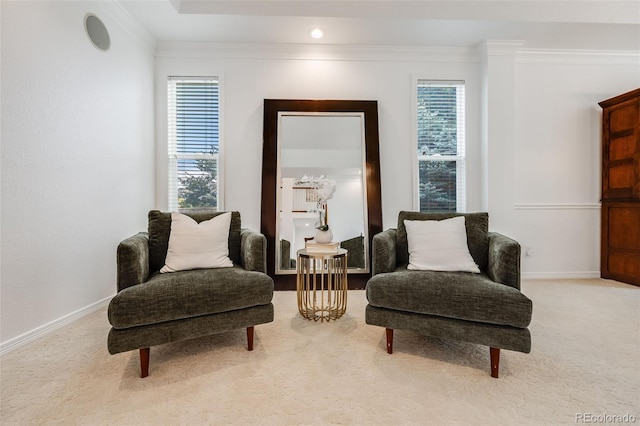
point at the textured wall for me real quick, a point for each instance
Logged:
(77, 163)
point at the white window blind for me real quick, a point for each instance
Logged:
(441, 139)
(193, 142)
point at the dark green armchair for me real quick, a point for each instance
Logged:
(485, 308)
(153, 308)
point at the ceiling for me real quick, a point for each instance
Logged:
(540, 24)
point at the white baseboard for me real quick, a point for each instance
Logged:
(30, 336)
(576, 275)
(556, 206)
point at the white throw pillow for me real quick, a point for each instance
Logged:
(194, 245)
(439, 245)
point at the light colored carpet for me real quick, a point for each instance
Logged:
(585, 359)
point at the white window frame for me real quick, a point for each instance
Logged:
(173, 156)
(459, 158)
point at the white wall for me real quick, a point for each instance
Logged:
(557, 156)
(533, 128)
(248, 77)
(76, 161)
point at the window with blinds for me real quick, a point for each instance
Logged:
(441, 130)
(193, 142)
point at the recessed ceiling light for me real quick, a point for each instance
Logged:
(316, 32)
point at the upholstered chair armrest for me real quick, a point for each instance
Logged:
(504, 260)
(133, 261)
(253, 250)
(383, 257)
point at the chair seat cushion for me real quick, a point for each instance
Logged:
(187, 294)
(460, 295)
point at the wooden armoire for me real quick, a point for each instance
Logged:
(620, 253)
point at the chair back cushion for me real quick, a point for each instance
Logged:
(285, 254)
(160, 228)
(477, 225)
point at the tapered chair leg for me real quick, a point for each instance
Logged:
(495, 361)
(144, 362)
(389, 340)
(250, 338)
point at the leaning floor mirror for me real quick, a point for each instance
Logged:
(320, 167)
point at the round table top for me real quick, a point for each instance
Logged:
(318, 255)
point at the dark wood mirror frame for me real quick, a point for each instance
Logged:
(270, 168)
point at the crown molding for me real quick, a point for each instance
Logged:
(129, 24)
(577, 56)
(499, 47)
(325, 52)
(315, 52)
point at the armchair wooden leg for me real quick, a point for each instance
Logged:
(389, 340)
(144, 362)
(495, 361)
(250, 338)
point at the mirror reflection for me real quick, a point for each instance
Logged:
(321, 183)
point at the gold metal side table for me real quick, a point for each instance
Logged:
(321, 284)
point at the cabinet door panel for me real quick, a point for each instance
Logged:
(623, 148)
(621, 177)
(624, 228)
(623, 117)
(625, 267)
(620, 240)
